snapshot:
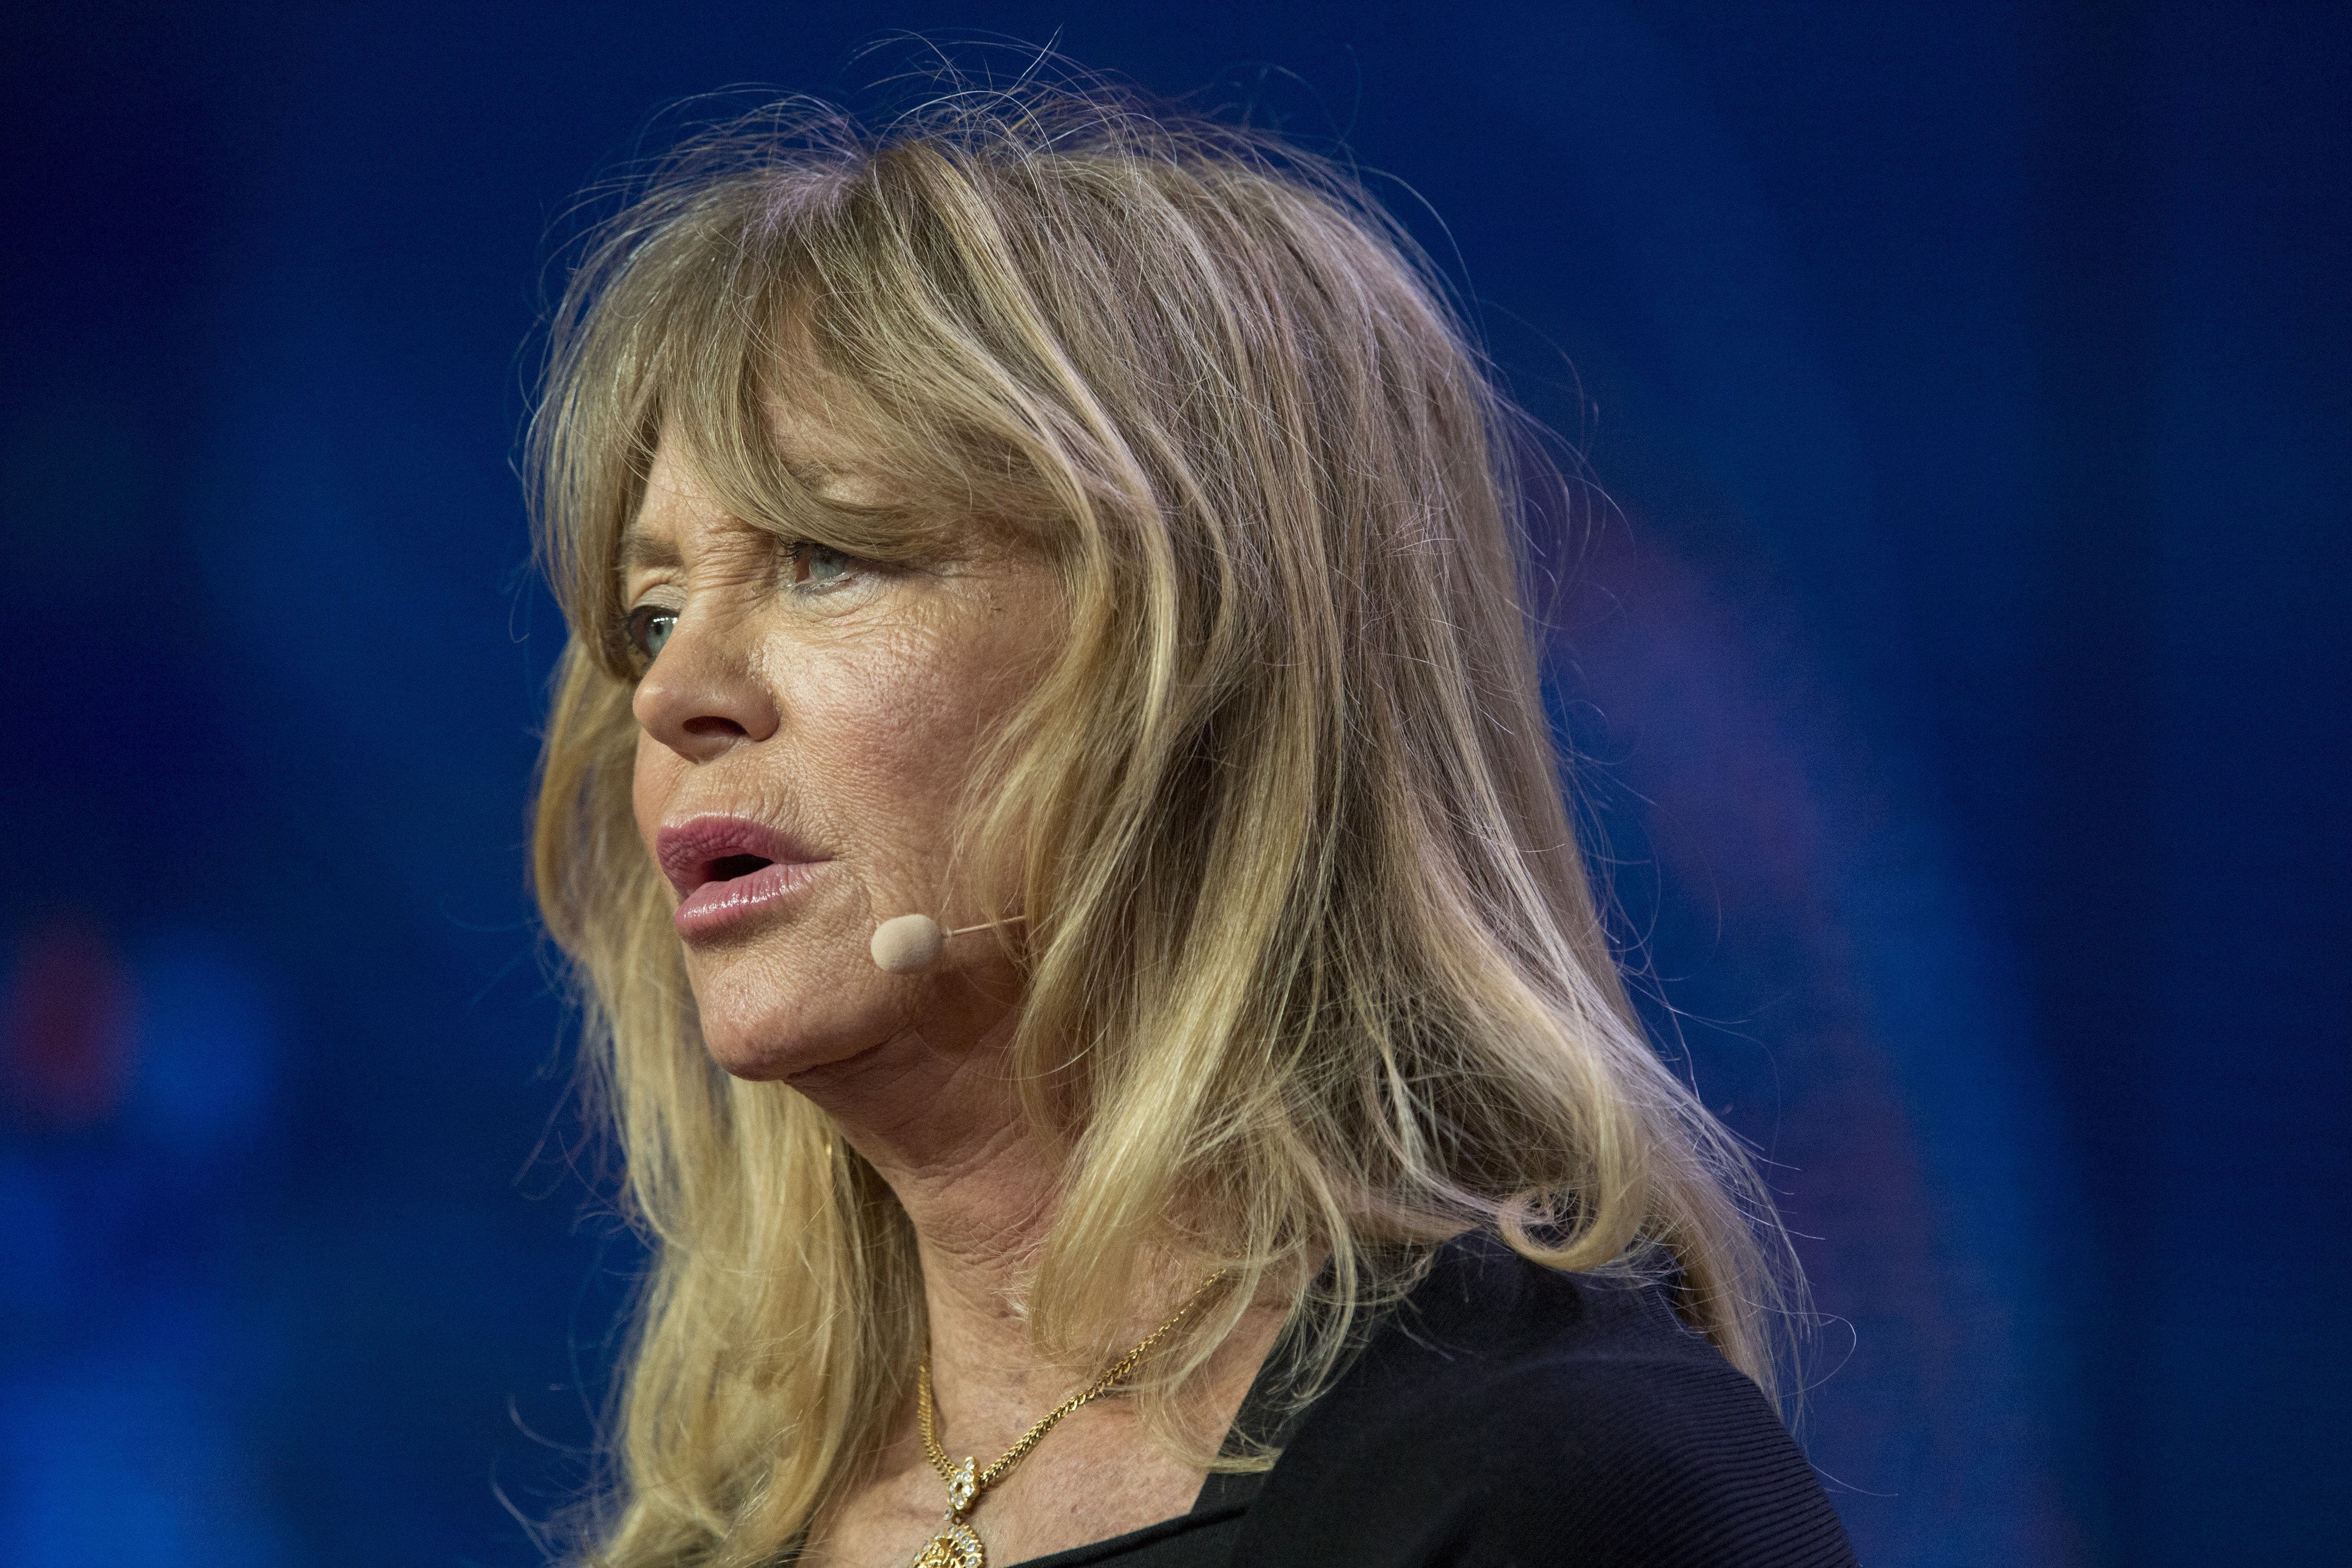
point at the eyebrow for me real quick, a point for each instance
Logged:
(640, 549)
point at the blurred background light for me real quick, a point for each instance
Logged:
(1954, 670)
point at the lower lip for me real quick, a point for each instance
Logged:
(717, 906)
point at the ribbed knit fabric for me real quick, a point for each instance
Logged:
(1509, 1416)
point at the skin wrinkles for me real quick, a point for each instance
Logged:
(850, 717)
(847, 715)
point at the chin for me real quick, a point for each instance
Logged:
(756, 1028)
(767, 1054)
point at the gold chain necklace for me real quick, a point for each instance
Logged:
(955, 1546)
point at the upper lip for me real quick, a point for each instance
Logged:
(690, 852)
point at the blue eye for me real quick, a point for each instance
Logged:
(648, 627)
(819, 566)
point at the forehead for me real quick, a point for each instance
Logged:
(679, 496)
(676, 500)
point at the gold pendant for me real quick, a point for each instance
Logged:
(953, 1547)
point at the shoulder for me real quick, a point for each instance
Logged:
(1509, 1414)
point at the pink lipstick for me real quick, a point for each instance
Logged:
(729, 870)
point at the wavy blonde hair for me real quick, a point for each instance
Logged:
(1313, 968)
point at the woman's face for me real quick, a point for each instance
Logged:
(806, 724)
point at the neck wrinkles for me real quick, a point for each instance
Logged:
(944, 1128)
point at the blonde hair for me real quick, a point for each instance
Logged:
(1312, 963)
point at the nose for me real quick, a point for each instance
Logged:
(703, 696)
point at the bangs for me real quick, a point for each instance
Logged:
(784, 333)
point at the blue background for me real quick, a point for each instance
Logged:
(1962, 703)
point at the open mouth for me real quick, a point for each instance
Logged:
(725, 869)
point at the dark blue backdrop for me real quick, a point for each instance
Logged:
(1962, 714)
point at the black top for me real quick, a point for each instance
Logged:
(1506, 1416)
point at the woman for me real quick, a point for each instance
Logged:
(1092, 535)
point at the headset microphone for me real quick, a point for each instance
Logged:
(910, 944)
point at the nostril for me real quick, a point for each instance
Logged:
(712, 725)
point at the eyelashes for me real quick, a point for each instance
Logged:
(813, 565)
(647, 628)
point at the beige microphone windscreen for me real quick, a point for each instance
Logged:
(908, 944)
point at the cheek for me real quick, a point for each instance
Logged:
(903, 729)
(654, 777)
(889, 743)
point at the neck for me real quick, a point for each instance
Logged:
(944, 1128)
